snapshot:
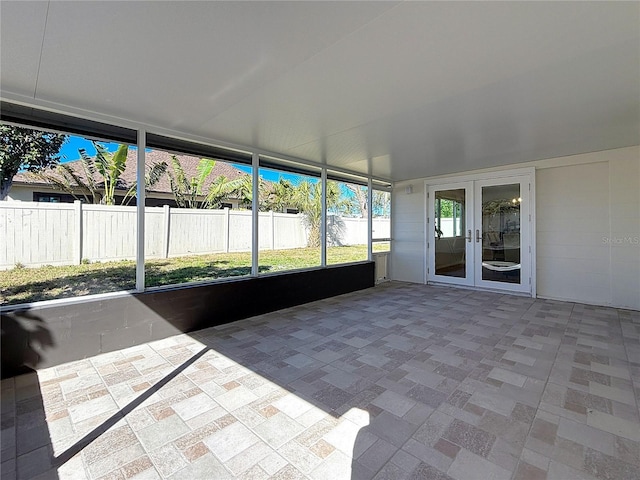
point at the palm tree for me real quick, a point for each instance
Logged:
(152, 176)
(81, 185)
(110, 166)
(190, 192)
(307, 197)
(186, 191)
(278, 196)
(85, 184)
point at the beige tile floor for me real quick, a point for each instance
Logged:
(398, 381)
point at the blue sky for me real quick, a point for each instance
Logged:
(69, 150)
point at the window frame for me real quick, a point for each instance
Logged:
(135, 135)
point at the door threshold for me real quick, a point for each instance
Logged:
(480, 289)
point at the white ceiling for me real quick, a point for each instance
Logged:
(399, 90)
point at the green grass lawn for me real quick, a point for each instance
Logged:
(22, 285)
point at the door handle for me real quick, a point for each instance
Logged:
(478, 236)
(469, 237)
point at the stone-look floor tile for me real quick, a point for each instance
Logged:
(377, 455)
(394, 403)
(391, 471)
(494, 402)
(230, 441)
(534, 387)
(278, 429)
(139, 468)
(526, 471)
(73, 469)
(302, 458)
(336, 466)
(206, 466)
(248, 458)
(468, 465)
(32, 463)
(272, 463)
(472, 438)
(425, 470)
(254, 473)
(343, 437)
(607, 467)
(167, 460)
(427, 455)
(586, 435)
(391, 428)
(115, 461)
(162, 432)
(614, 425)
(289, 472)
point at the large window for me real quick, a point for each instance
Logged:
(347, 221)
(67, 227)
(71, 205)
(381, 228)
(198, 223)
(290, 218)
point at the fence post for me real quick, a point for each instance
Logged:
(167, 230)
(77, 207)
(226, 232)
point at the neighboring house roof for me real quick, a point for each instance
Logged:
(189, 165)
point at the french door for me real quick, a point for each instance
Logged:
(479, 233)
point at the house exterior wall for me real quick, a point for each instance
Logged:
(587, 228)
(20, 194)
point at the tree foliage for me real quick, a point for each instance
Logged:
(189, 192)
(97, 178)
(26, 149)
(110, 167)
(381, 204)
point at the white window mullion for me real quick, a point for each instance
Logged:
(370, 219)
(140, 196)
(323, 219)
(255, 213)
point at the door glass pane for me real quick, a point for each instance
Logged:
(501, 233)
(450, 206)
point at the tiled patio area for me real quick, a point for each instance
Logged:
(399, 381)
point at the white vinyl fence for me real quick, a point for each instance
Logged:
(34, 234)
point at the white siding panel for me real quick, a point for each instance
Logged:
(625, 231)
(408, 254)
(573, 207)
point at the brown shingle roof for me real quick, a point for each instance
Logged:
(189, 165)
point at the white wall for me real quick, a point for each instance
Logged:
(587, 228)
(408, 248)
(20, 194)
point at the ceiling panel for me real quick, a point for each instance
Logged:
(21, 32)
(176, 64)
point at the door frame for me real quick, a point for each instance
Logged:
(468, 279)
(487, 175)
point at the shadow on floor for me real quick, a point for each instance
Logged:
(26, 444)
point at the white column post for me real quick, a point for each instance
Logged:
(323, 219)
(167, 230)
(370, 219)
(140, 201)
(255, 214)
(77, 206)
